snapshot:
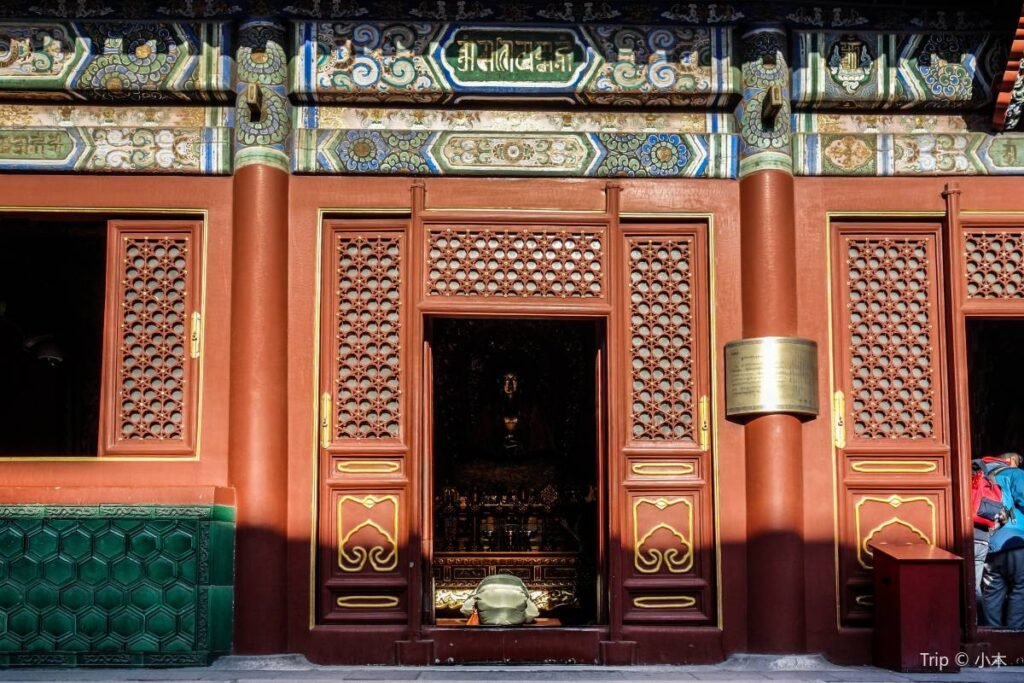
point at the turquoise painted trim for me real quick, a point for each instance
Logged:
(766, 161)
(222, 513)
(268, 156)
(468, 153)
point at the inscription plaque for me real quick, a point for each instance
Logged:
(546, 58)
(49, 144)
(771, 375)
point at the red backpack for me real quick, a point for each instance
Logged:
(987, 496)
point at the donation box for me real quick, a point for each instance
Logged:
(917, 607)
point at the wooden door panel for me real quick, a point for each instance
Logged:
(664, 448)
(366, 533)
(361, 467)
(906, 469)
(894, 485)
(363, 433)
(678, 604)
(986, 258)
(663, 530)
(894, 514)
(646, 469)
(370, 605)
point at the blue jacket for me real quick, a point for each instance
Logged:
(1010, 536)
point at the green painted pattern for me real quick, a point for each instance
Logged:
(26, 143)
(117, 61)
(262, 62)
(766, 145)
(115, 585)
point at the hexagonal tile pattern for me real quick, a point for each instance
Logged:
(10, 596)
(160, 623)
(58, 623)
(74, 598)
(41, 596)
(177, 544)
(75, 543)
(12, 543)
(42, 544)
(109, 597)
(160, 571)
(126, 622)
(91, 588)
(93, 571)
(127, 571)
(145, 596)
(24, 570)
(144, 543)
(92, 623)
(179, 596)
(110, 544)
(59, 570)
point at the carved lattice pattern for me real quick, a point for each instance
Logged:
(368, 338)
(516, 263)
(890, 325)
(153, 337)
(661, 339)
(995, 265)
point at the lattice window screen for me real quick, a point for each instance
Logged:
(547, 263)
(153, 338)
(661, 328)
(890, 317)
(367, 336)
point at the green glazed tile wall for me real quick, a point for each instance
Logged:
(115, 585)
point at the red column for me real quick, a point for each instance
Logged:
(775, 555)
(258, 429)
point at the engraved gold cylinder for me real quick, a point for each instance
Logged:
(771, 375)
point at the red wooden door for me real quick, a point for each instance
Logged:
(650, 282)
(364, 427)
(662, 468)
(892, 440)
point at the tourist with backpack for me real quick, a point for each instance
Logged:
(989, 514)
(1003, 583)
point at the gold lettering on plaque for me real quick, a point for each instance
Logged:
(467, 55)
(563, 56)
(771, 375)
(528, 56)
(523, 55)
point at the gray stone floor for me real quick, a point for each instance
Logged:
(740, 669)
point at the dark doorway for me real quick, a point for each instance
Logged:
(52, 284)
(516, 483)
(995, 375)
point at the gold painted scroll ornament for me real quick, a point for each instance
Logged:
(771, 375)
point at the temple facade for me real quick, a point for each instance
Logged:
(317, 313)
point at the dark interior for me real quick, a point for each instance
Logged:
(995, 375)
(515, 445)
(52, 283)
